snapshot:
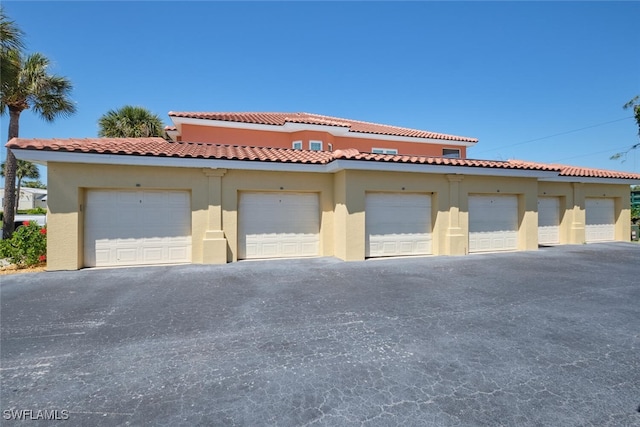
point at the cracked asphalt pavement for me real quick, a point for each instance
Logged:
(517, 339)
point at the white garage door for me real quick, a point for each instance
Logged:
(493, 223)
(397, 224)
(276, 225)
(548, 220)
(600, 221)
(129, 227)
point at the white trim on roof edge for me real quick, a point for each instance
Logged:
(290, 127)
(42, 157)
(592, 180)
(340, 164)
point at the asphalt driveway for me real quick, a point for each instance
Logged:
(531, 338)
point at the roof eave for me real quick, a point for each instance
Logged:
(45, 156)
(352, 164)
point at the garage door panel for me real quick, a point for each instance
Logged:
(397, 224)
(102, 215)
(310, 248)
(125, 216)
(425, 245)
(493, 241)
(289, 249)
(126, 255)
(178, 253)
(153, 254)
(600, 219)
(273, 225)
(135, 227)
(153, 197)
(101, 256)
(493, 223)
(548, 220)
(250, 251)
(479, 242)
(127, 198)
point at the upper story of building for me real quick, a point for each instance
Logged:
(306, 131)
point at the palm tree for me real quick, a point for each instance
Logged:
(10, 40)
(10, 34)
(29, 86)
(24, 169)
(130, 122)
(35, 184)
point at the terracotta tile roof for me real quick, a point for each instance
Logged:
(159, 147)
(596, 173)
(353, 154)
(355, 126)
(577, 171)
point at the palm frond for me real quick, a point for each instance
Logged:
(10, 34)
(31, 86)
(130, 122)
(24, 169)
(52, 98)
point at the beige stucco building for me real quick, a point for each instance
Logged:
(151, 201)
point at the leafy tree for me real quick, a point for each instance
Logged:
(29, 86)
(34, 184)
(634, 105)
(24, 169)
(130, 122)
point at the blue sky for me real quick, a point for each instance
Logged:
(513, 74)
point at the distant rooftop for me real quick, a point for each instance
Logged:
(355, 126)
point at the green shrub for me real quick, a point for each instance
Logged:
(635, 214)
(27, 246)
(36, 211)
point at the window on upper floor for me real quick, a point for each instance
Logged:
(452, 153)
(315, 145)
(296, 145)
(384, 151)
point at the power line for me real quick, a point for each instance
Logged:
(589, 154)
(554, 135)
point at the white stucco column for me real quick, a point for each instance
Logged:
(456, 240)
(214, 250)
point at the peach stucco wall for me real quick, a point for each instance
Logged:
(260, 138)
